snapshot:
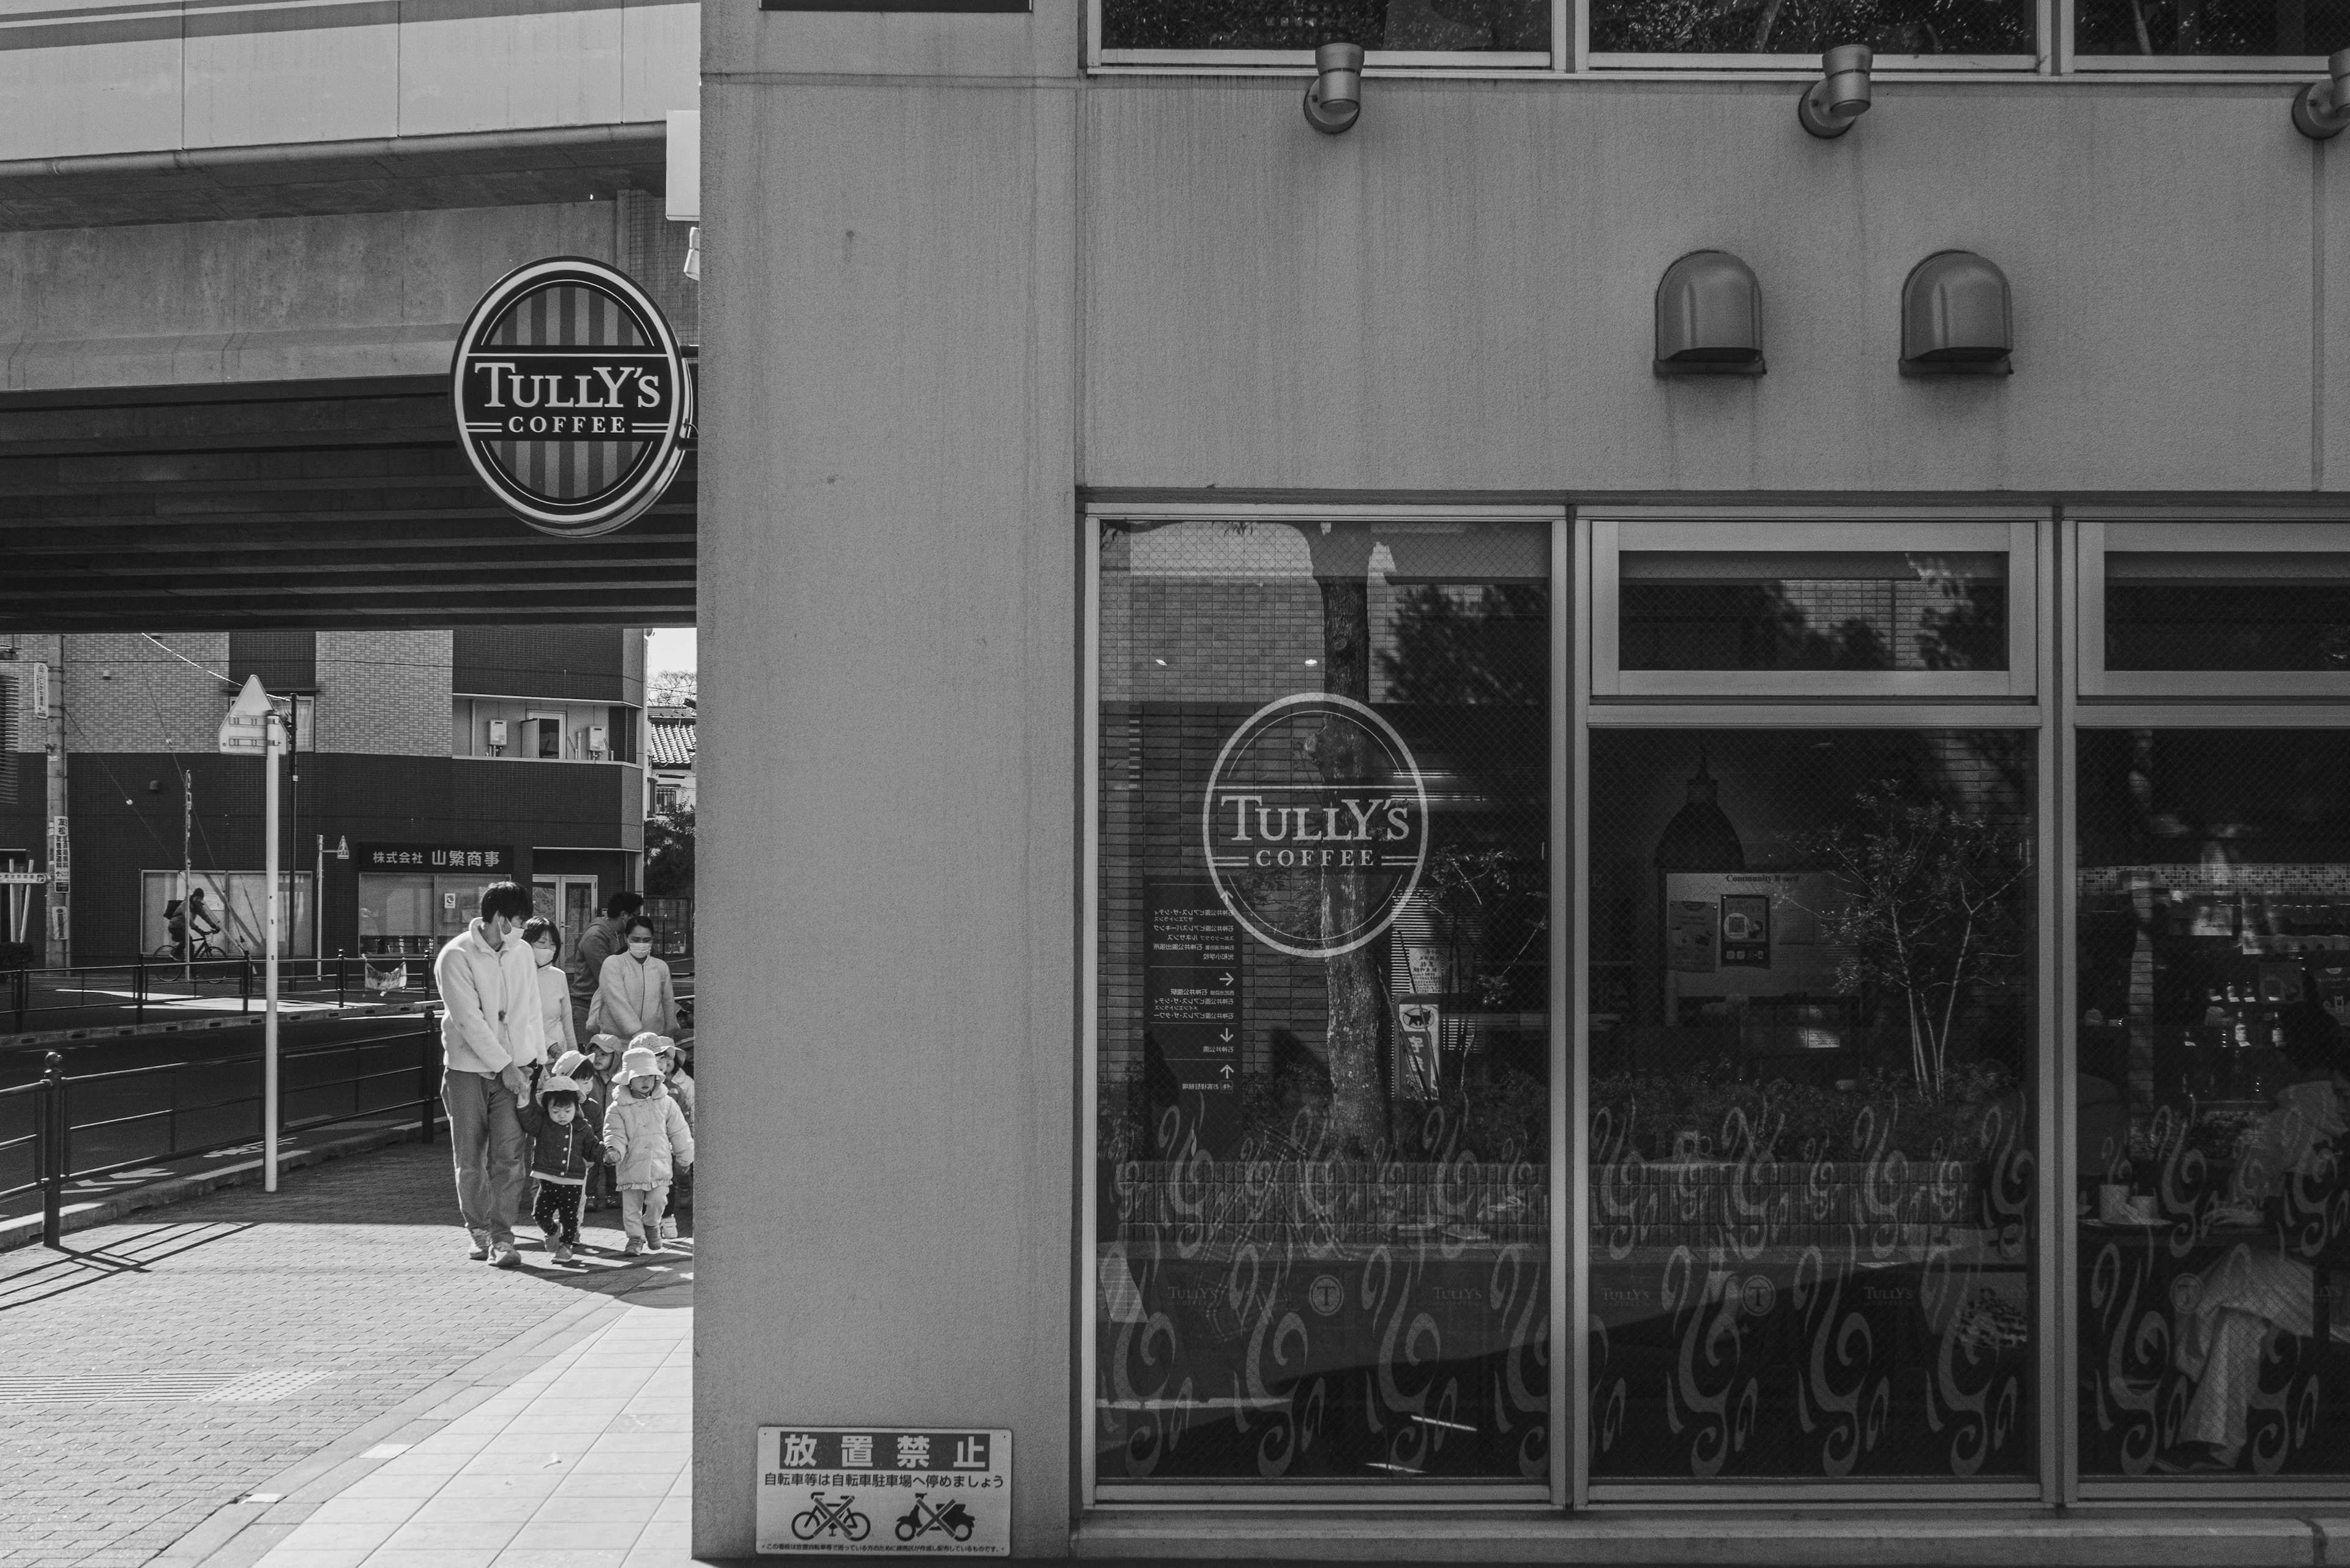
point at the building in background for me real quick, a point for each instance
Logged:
(669, 759)
(427, 764)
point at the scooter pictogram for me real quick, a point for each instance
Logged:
(832, 1519)
(922, 1519)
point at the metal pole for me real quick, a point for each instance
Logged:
(53, 1149)
(60, 934)
(187, 877)
(269, 960)
(318, 912)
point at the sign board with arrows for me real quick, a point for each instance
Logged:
(244, 729)
(1192, 1004)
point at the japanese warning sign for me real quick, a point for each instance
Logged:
(883, 1491)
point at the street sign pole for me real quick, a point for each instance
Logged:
(269, 962)
(252, 727)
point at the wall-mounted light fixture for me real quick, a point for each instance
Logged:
(1708, 317)
(2321, 109)
(1955, 319)
(1841, 96)
(1335, 100)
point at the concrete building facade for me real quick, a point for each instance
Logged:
(1111, 342)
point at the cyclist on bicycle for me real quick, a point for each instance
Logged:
(193, 915)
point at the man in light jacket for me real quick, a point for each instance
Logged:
(596, 943)
(489, 1026)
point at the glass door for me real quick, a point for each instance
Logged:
(570, 903)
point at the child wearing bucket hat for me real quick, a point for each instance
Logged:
(564, 1152)
(646, 1143)
(680, 1084)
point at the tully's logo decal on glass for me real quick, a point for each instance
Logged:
(1315, 825)
(572, 395)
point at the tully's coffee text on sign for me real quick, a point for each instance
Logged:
(1313, 794)
(573, 396)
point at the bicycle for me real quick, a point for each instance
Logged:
(831, 1519)
(169, 952)
(921, 1520)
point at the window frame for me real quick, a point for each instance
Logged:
(2179, 713)
(1095, 1496)
(1760, 530)
(2098, 532)
(1554, 61)
(2073, 59)
(2034, 543)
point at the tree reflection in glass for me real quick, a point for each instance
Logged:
(1322, 1240)
(1812, 1177)
(1832, 610)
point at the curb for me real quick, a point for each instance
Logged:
(26, 1231)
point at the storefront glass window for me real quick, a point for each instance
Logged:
(237, 904)
(1827, 610)
(1474, 26)
(2180, 610)
(2214, 1102)
(414, 915)
(1322, 1242)
(1811, 1106)
(2256, 28)
(1810, 26)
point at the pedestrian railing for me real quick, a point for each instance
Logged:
(145, 985)
(170, 1109)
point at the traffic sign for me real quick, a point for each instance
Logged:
(246, 731)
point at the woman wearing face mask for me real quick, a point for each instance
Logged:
(545, 939)
(634, 995)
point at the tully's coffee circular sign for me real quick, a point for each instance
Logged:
(572, 396)
(1315, 825)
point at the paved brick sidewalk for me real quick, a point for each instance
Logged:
(168, 1365)
(583, 1462)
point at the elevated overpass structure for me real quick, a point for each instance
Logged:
(236, 245)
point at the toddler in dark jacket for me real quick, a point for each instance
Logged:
(564, 1151)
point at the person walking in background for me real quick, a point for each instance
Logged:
(489, 1027)
(596, 943)
(634, 994)
(645, 1142)
(564, 1151)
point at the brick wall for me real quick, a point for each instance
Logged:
(124, 693)
(29, 649)
(384, 693)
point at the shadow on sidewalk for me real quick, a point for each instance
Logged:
(47, 1273)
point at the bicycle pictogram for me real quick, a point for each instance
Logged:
(922, 1519)
(833, 1519)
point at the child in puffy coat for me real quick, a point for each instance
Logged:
(645, 1142)
(598, 1061)
(564, 1152)
(680, 1086)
